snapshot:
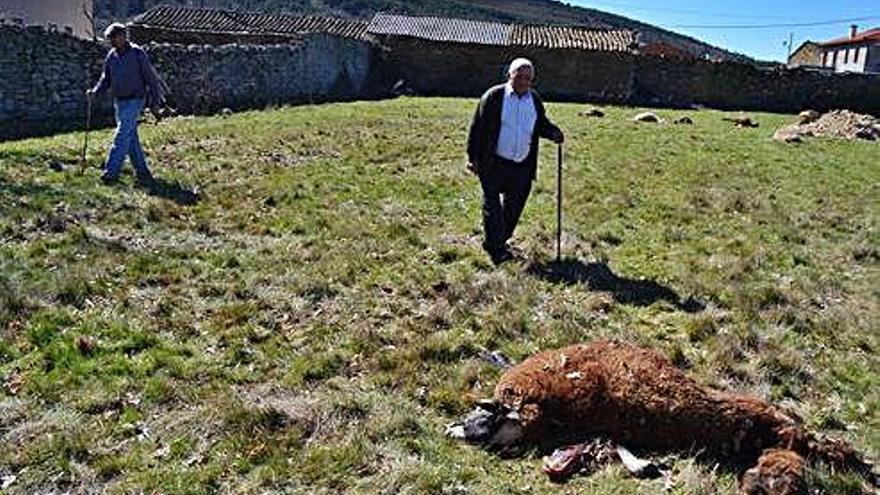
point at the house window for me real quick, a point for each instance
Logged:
(845, 56)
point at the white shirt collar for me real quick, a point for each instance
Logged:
(508, 92)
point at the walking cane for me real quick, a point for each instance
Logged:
(559, 203)
(82, 167)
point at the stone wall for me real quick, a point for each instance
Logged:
(572, 75)
(43, 77)
(143, 35)
(204, 78)
(577, 75)
(454, 69)
(731, 86)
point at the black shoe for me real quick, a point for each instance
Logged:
(109, 180)
(501, 256)
(145, 180)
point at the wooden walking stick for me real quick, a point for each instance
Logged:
(82, 167)
(559, 202)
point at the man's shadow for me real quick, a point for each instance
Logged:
(599, 277)
(173, 191)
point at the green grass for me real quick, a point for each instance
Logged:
(312, 323)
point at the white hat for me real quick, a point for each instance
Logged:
(114, 29)
(519, 63)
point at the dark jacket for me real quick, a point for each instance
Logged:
(486, 124)
(129, 74)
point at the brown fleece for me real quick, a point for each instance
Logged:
(638, 398)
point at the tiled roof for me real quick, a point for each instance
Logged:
(441, 29)
(429, 28)
(496, 33)
(869, 35)
(573, 37)
(224, 21)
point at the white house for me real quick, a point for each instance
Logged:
(858, 52)
(70, 16)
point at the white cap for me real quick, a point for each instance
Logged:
(113, 29)
(519, 63)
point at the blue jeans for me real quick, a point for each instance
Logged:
(126, 140)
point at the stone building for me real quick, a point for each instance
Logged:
(809, 54)
(66, 16)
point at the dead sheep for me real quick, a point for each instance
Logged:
(741, 122)
(648, 117)
(808, 116)
(592, 112)
(789, 134)
(638, 398)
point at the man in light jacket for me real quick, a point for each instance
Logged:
(503, 152)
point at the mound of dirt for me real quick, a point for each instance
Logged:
(837, 124)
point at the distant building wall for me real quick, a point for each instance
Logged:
(457, 69)
(443, 69)
(450, 69)
(809, 54)
(873, 64)
(847, 58)
(72, 15)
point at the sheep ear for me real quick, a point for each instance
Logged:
(489, 405)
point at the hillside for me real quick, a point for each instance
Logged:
(301, 307)
(515, 11)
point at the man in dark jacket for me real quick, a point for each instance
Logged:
(133, 83)
(503, 152)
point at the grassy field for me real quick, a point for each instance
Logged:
(302, 306)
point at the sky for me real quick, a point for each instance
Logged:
(704, 20)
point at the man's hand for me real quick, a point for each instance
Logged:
(156, 112)
(558, 137)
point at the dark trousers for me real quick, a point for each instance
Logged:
(506, 187)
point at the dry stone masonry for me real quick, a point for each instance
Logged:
(206, 78)
(43, 77)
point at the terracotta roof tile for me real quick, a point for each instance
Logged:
(864, 36)
(573, 37)
(224, 21)
(495, 33)
(429, 28)
(441, 29)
